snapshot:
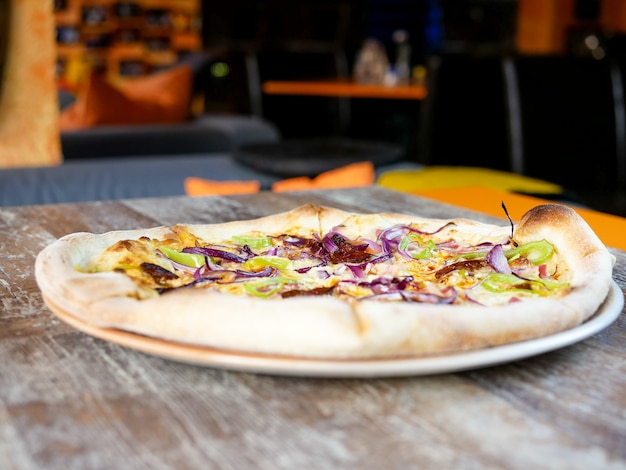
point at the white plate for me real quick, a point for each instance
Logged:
(396, 367)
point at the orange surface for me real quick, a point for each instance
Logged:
(610, 228)
(349, 176)
(344, 88)
(203, 187)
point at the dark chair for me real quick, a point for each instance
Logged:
(465, 119)
(296, 40)
(299, 116)
(523, 116)
(569, 118)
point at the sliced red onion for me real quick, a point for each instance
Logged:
(247, 251)
(497, 260)
(357, 271)
(405, 252)
(385, 284)
(293, 240)
(268, 271)
(323, 274)
(217, 272)
(453, 246)
(306, 269)
(378, 259)
(393, 232)
(329, 243)
(399, 229)
(432, 233)
(388, 245)
(450, 245)
(447, 296)
(404, 282)
(471, 299)
(372, 245)
(182, 267)
(389, 238)
(519, 275)
(214, 252)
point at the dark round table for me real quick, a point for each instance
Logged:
(310, 157)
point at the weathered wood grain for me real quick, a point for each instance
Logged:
(70, 401)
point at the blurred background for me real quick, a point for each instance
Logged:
(533, 86)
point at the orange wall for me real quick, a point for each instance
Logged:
(613, 15)
(541, 25)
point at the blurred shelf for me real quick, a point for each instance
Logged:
(120, 37)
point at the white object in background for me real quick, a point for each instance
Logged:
(371, 64)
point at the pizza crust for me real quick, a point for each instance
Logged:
(324, 326)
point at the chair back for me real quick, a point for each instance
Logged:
(301, 116)
(567, 113)
(464, 119)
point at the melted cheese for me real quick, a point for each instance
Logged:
(350, 279)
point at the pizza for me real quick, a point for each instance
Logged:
(320, 282)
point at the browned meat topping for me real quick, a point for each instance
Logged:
(347, 252)
(315, 291)
(158, 273)
(470, 265)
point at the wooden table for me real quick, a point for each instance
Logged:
(71, 401)
(344, 88)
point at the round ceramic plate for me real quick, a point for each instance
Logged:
(353, 368)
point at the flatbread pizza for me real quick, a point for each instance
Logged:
(319, 282)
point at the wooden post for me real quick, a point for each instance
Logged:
(29, 113)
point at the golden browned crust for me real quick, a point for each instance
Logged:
(301, 220)
(562, 224)
(327, 327)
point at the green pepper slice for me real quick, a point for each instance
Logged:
(262, 261)
(424, 253)
(537, 252)
(410, 238)
(266, 287)
(188, 259)
(500, 283)
(253, 242)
